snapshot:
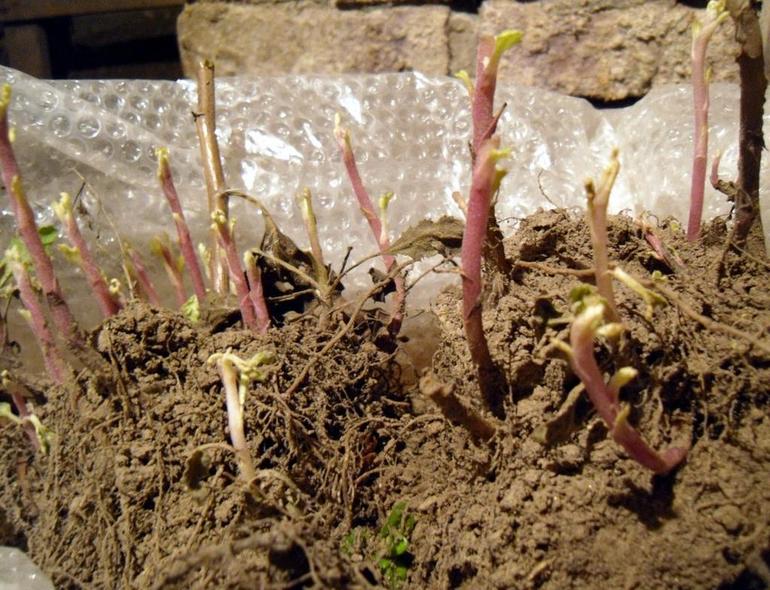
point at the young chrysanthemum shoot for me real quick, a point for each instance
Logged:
(587, 325)
(237, 374)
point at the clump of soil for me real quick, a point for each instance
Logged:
(141, 489)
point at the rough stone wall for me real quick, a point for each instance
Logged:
(606, 50)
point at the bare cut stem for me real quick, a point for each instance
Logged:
(52, 358)
(205, 124)
(598, 199)
(224, 232)
(305, 200)
(85, 259)
(183, 231)
(27, 227)
(715, 14)
(604, 396)
(375, 223)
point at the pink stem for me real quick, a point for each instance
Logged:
(172, 271)
(477, 218)
(700, 94)
(367, 208)
(257, 294)
(27, 226)
(606, 401)
(54, 364)
(108, 303)
(143, 278)
(227, 243)
(183, 231)
(482, 103)
(21, 408)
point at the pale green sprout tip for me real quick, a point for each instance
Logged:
(341, 133)
(5, 97)
(622, 377)
(71, 253)
(507, 39)
(162, 154)
(114, 286)
(191, 309)
(610, 331)
(650, 298)
(248, 369)
(63, 207)
(42, 433)
(465, 78)
(384, 201)
(218, 217)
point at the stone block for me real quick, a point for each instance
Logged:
(271, 39)
(604, 49)
(462, 37)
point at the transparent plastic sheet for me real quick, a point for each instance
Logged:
(17, 572)
(409, 134)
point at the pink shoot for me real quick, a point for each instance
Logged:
(256, 293)
(28, 231)
(375, 222)
(236, 375)
(161, 247)
(146, 286)
(604, 396)
(598, 199)
(702, 32)
(81, 253)
(224, 230)
(39, 436)
(16, 258)
(488, 54)
(485, 183)
(183, 231)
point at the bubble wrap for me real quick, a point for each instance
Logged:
(410, 135)
(17, 572)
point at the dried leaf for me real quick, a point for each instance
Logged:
(443, 236)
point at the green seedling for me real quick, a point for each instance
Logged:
(395, 535)
(389, 548)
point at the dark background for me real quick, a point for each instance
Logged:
(91, 38)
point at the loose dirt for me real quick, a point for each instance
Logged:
(366, 478)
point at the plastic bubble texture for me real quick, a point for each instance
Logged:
(17, 572)
(409, 133)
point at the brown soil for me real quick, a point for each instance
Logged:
(141, 489)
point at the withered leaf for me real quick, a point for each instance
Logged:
(443, 236)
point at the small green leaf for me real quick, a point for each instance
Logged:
(400, 546)
(191, 309)
(48, 234)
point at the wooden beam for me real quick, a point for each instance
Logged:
(24, 10)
